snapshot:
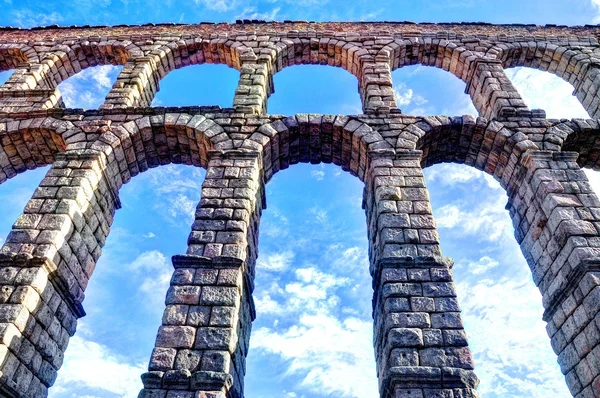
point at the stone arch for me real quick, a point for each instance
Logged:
(302, 138)
(151, 141)
(139, 80)
(11, 55)
(450, 56)
(65, 60)
(349, 54)
(491, 92)
(486, 145)
(18, 57)
(580, 136)
(185, 52)
(316, 51)
(573, 64)
(32, 143)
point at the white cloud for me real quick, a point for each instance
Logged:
(405, 96)
(485, 221)
(594, 178)
(451, 174)
(149, 235)
(175, 190)
(543, 90)
(279, 227)
(275, 261)
(326, 352)
(218, 5)
(253, 13)
(155, 271)
(321, 348)
(507, 336)
(482, 265)
(317, 174)
(596, 5)
(88, 88)
(89, 365)
(448, 216)
(319, 214)
(28, 18)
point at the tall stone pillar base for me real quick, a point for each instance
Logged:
(420, 341)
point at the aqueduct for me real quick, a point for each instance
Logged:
(420, 346)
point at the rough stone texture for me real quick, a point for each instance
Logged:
(420, 344)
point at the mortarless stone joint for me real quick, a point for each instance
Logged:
(420, 344)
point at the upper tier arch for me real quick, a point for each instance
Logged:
(486, 145)
(32, 143)
(575, 64)
(341, 140)
(151, 141)
(11, 55)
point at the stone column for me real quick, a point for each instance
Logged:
(493, 93)
(136, 85)
(45, 266)
(557, 218)
(420, 344)
(29, 88)
(202, 344)
(375, 85)
(255, 85)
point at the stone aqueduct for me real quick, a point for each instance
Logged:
(420, 345)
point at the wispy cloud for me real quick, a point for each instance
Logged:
(596, 5)
(484, 221)
(498, 313)
(405, 96)
(454, 174)
(26, 18)
(218, 5)
(323, 348)
(175, 189)
(88, 88)
(252, 12)
(154, 271)
(275, 261)
(317, 175)
(543, 90)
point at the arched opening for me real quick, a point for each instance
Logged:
(544, 90)
(88, 88)
(313, 331)
(197, 85)
(315, 89)
(422, 90)
(501, 306)
(125, 297)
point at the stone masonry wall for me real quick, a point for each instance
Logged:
(420, 344)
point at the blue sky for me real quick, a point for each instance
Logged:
(313, 291)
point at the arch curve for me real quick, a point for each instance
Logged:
(439, 53)
(151, 141)
(11, 55)
(65, 60)
(341, 140)
(312, 51)
(486, 145)
(32, 143)
(576, 65)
